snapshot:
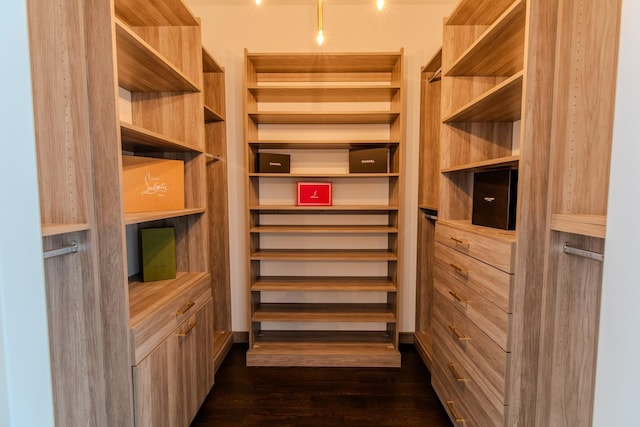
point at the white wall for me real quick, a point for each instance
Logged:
(618, 368)
(25, 373)
(349, 26)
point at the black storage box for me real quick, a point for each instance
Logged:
(273, 163)
(369, 160)
(494, 198)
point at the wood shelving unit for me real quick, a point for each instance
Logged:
(428, 199)
(521, 91)
(282, 328)
(217, 202)
(113, 339)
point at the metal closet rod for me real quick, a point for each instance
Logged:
(72, 248)
(582, 252)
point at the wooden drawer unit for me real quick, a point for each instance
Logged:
(471, 346)
(461, 279)
(453, 403)
(171, 382)
(157, 308)
(492, 246)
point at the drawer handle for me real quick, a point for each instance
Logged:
(457, 334)
(458, 378)
(188, 331)
(457, 298)
(459, 420)
(460, 242)
(182, 310)
(460, 271)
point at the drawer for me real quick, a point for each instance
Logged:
(493, 284)
(485, 405)
(492, 246)
(460, 284)
(157, 308)
(465, 404)
(487, 317)
(455, 406)
(454, 334)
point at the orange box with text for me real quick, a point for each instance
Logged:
(152, 185)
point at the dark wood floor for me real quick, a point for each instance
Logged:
(300, 397)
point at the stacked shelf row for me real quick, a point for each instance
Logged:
(323, 279)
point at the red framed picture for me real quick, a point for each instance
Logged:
(313, 194)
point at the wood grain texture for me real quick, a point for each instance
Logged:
(474, 12)
(424, 284)
(141, 68)
(499, 51)
(137, 139)
(493, 246)
(165, 13)
(365, 62)
(323, 117)
(476, 356)
(342, 93)
(324, 284)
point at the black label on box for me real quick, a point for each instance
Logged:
(369, 160)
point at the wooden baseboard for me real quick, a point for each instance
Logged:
(406, 337)
(241, 337)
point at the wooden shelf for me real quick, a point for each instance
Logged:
(291, 312)
(141, 68)
(140, 217)
(320, 348)
(315, 63)
(320, 144)
(323, 209)
(499, 51)
(322, 117)
(58, 229)
(211, 116)
(209, 64)
(360, 93)
(155, 13)
(502, 162)
(478, 12)
(326, 175)
(320, 229)
(503, 103)
(323, 255)
(585, 225)
(323, 284)
(137, 139)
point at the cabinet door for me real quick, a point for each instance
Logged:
(196, 349)
(156, 387)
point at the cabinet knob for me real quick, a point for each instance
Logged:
(188, 331)
(461, 243)
(457, 334)
(182, 310)
(459, 420)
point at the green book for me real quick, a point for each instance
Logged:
(158, 247)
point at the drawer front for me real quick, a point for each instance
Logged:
(487, 317)
(154, 327)
(494, 247)
(455, 335)
(459, 285)
(483, 402)
(464, 403)
(493, 284)
(455, 405)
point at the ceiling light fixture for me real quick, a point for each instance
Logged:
(320, 38)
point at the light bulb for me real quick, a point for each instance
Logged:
(380, 4)
(320, 37)
(258, 2)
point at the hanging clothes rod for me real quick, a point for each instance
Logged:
(73, 248)
(582, 252)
